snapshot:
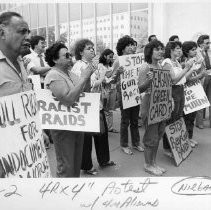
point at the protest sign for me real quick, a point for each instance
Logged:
(178, 140)
(82, 116)
(147, 193)
(160, 106)
(129, 79)
(22, 150)
(35, 81)
(195, 97)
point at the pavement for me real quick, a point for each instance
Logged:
(196, 164)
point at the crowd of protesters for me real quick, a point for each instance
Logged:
(22, 55)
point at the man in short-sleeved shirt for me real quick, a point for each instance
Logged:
(13, 77)
(35, 61)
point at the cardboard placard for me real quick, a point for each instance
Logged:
(82, 116)
(160, 106)
(129, 79)
(195, 97)
(178, 140)
(22, 149)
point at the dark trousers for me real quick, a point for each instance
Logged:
(179, 101)
(101, 147)
(129, 117)
(68, 148)
(189, 122)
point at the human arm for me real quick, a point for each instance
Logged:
(176, 78)
(145, 78)
(68, 96)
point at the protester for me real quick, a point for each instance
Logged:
(152, 37)
(108, 87)
(172, 53)
(204, 52)
(130, 115)
(14, 32)
(189, 51)
(174, 38)
(37, 64)
(66, 87)
(153, 133)
(84, 53)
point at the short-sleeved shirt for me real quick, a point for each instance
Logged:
(177, 68)
(57, 75)
(35, 62)
(11, 80)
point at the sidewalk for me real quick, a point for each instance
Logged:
(197, 164)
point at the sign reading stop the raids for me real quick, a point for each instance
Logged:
(81, 116)
(129, 79)
(195, 97)
(178, 140)
(160, 106)
(22, 149)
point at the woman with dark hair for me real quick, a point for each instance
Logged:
(153, 53)
(84, 53)
(66, 87)
(189, 49)
(130, 115)
(108, 86)
(173, 52)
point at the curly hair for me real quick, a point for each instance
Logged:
(79, 47)
(187, 46)
(171, 46)
(148, 50)
(102, 58)
(123, 43)
(52, 53)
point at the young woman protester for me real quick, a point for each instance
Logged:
(189, 49)
(84, 53)
(108, 87)
(153, 53)
(66, 87)
(130, 115)
(173, 52)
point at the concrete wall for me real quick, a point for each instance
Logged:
(187, 20)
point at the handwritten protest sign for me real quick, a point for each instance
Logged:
(160, 99)
(195, 97)
(22, 150)
(82, 116)
(36, 82)
(129, 79)
(178, 140)
(159, 193)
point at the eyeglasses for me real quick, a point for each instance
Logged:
(68, 55)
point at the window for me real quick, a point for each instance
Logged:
(122, 26)
(122, 17)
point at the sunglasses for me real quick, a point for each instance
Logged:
(68, 55)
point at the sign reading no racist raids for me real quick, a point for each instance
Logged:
(22, 150)
(195, 97)
(160, 106)
(178, 140)
(81, 116)
(129, 79)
